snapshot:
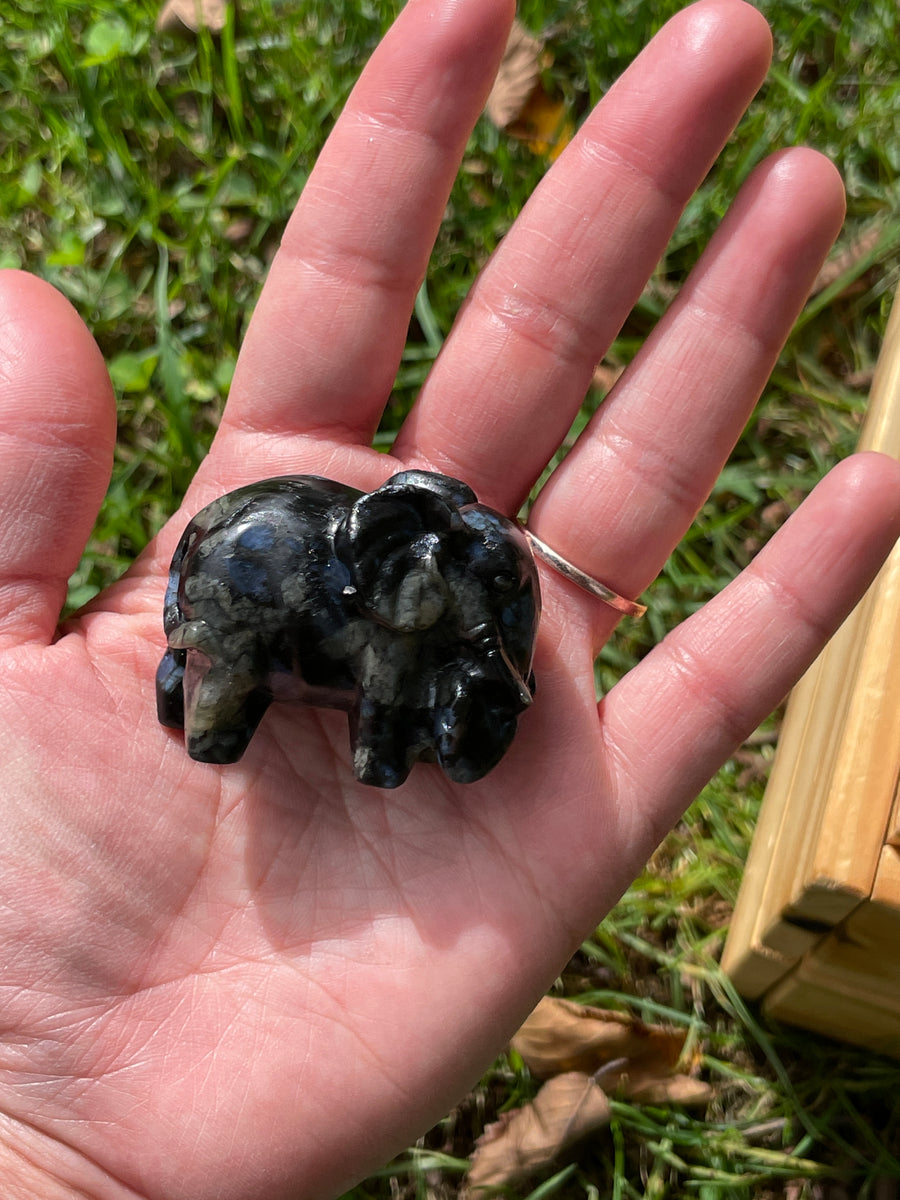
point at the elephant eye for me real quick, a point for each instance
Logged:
(503, 581)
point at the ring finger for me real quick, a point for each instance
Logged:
(650, 456)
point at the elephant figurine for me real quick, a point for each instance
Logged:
(413, 607)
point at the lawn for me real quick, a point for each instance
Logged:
(149, 178)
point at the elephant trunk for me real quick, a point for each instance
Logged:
(477, 714)
(419, 597)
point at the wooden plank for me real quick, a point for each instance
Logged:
(860, 798)
(772, 925)
(824, 712)
(848, 986)
(886, 891)
(753, 968)
(866, 764)
(881, 429)
(827, 1004)
(893, 830)
(748, 957)
(832, 798)
(861, 955)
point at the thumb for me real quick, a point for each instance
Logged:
(57, 431)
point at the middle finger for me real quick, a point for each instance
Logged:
(514, 370)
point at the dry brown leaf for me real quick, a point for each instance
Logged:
(543, 125)
(605, 375)
(517, 76)
(646, 1088)
(239, 230)
(518, 102)
(187, 16)
(563, 1036)
(565, 1110)
(846, 257)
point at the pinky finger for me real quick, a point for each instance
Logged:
(675, 719)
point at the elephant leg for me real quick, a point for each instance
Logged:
(379, 736)
(221, 710)
(170, 689)
(388, 740)
(389, 729)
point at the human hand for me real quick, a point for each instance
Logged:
(262, 980)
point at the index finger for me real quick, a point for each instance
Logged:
(322, 349)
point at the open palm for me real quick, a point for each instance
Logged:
(261, 980)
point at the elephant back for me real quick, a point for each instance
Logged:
(261, 557)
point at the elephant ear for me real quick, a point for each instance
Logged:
(456, 493)
(394, 541)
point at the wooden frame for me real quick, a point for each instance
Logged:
(816, 930)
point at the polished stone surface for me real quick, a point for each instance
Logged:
(413, 607)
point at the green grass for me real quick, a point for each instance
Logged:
(150, 179)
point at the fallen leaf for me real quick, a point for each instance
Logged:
(188, 16)
(566, 1109)
(517, 76)
(605, 375)
(851, 258)
(647, 1088)
(239, 230)
(563, 1036)
(518, 102)
(542, 125)
(577, 1049)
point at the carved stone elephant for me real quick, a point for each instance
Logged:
(413, 607)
